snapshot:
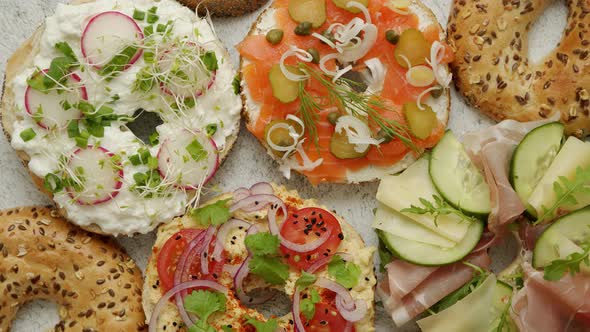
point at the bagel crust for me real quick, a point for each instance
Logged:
(224, 7)
(96, 285)
(170, 318)
(492, 71)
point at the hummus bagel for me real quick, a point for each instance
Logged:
(494, 73)
(93, 281)
(346, 91)
(86, 74)
(309, 253)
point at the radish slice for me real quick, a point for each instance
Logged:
(98, 175)
(48, 109)
(183, 72)
(107, 34)
(190, 159)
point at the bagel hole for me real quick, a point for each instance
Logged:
(38, 315)
(279, 305)
(144, 124)
(504, 254)
(547, 31)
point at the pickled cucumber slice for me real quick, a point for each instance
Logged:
(412, 46)
(280, 136)
(283, 88)
(421, 122)
(313, 11)
(341, 148)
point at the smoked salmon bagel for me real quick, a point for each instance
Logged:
(494, 73)
(345, 91)
(87, 76)
(96, 285)
(226, 255)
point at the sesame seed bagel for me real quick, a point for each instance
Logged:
(94, 282)
(494, 74)
(236, 252)
(224, 7)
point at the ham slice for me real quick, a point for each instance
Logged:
(410, 289)
(548, 306)
(491, 149)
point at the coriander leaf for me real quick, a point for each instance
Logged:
(210, 61)
(559, 267)
(346, 273)
(437, 208)
(306, 279)
(204, 303)
(226, 328)
(271, 269)
(196, 150)
(202, 326)
(269, 326)
(263, 244)
(307, 305)
(478, 279)
(213, 214)
(566, 191)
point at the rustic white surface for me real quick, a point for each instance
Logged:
(248, 163)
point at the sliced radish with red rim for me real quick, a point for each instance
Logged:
(107, 34)
(98, 176)
(55, 109)
(183, 73)
(189, 159)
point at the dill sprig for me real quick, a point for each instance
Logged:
(308, 113)
(342, 95)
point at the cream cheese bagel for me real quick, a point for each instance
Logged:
(345, 114)
(74, 87)
(242, 255)
(96, 285)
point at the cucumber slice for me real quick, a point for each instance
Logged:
(428, 254)
(532, 158)
(502, 295)
(457, 179)
(562, 238)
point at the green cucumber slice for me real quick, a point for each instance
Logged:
(502, 295)
(532, 157)
(457, 179)
(428, 254)
(562, 238)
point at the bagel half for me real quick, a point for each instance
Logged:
(234, 315)
(493, 72)
(96, 285)
(23, 59)
(442, 105)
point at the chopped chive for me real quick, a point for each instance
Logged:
(148, 31)
(28, 134)
(73, 129)
(152, 18)
(53, 183)
(161, 28)
(211, 129)
(154, 138)
(153, 10)
(196, 150)
(138, 15)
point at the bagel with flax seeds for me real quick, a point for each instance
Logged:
(96, 285)
(224, 7)
(493, 72)
(178, 255)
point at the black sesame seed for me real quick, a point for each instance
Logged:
(318, 234)
(341, 236)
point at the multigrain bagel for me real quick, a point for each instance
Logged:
(224, 7)
(134, 212)
(493, 72)
(236, 313)
(96, 285)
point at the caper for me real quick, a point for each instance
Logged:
(274, 36)
(315, 55)
(383, 135)
(333, 117)
(437, 92)
(392, 36)
(303, 29)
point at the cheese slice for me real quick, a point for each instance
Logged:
(474, 312)
(402, 191)
(573, 154)
(391, 221)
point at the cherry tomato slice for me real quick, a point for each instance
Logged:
(171, 252)
(306, 225)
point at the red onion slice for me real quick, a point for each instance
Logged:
(350, 309)
(174, 291)
(254, 203)
(241, 193)
(182, 271)
(205, 249)
(324, 260)
(262, 188)
(224, 230)
(299, 327)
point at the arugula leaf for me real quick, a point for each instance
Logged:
(437, 208)
(307, 305)
(478, 278)
(213, 214)
(505, 321)
(269, 326)
(306, 279)
(559, 267)
(196, 150)
(204, 303)
(263, 244)
(210, 61)
(346, 273)
(270, 268)
(565, 192)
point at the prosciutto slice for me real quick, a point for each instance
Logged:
(491, 149)
(548, 306)
(410, 289)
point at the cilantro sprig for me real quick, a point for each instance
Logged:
(345, 273)
(266, 261)
(559, 267)
(270, 325)
(565, 192)
(307, 305)
(438, 207)
(204, 303)
(212, 214)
